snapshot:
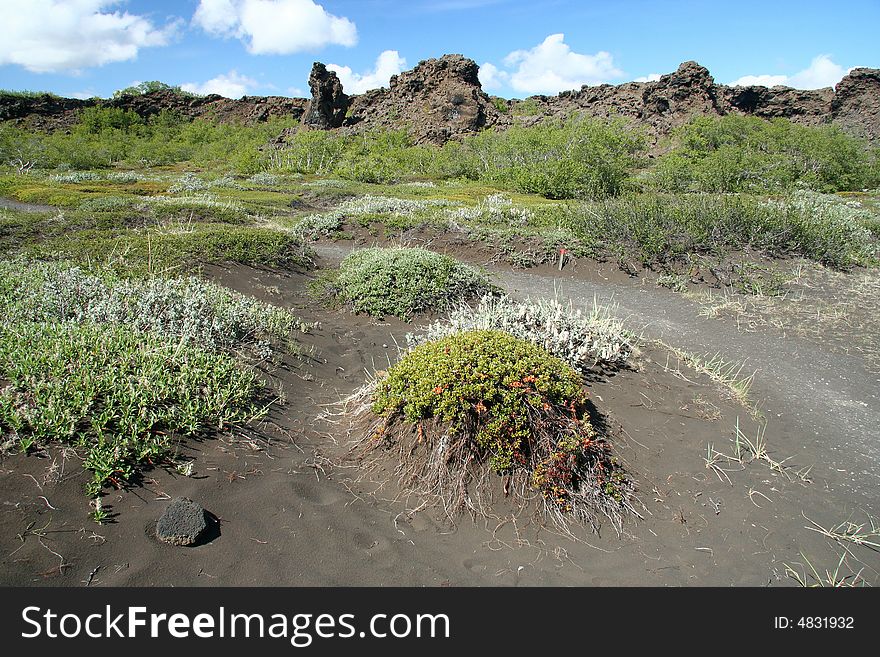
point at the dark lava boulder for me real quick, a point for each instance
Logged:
(183, 523)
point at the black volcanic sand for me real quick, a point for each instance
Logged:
(290, 512)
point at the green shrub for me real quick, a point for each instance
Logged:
(659, 228)
(736, 153)
(575, 158)
(404, 281)
(487, 398)
(125, 398)
(152, 86)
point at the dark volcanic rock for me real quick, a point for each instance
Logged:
(47, 112)
(183, 522)
(439, 100)
(329, 102)
(856, 104)
(802, 106)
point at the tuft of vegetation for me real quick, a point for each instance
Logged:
(659, 228)
(188, 310)
(583, 339)
(403, 281)
(460, 408)
(578, 157)
(150, 87)
(735, 153)
(150, 251)
(106, 136)
(124, 398)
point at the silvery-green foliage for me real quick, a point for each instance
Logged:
(189, 309)
(583, 338)
(496, 208)
(125, 177)
(370, 204)
(843, 223)
(325, 182)
(326, 223)
(105, 204)
(314, 226)
(76, 177)
(201, 200)
(188, 182)
(264, 179)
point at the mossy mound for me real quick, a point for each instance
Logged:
(460, 408)
(404, 281)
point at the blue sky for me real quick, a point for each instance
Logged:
(263, 47)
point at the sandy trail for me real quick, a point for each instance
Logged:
(815, 402)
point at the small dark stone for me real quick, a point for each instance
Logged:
(183, 522)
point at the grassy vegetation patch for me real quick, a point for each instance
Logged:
(403, 281)
(124, 398)
(188, 309)
(457, 409)
(664, 228)
(141, 252)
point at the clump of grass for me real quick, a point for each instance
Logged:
(370, 204)
(582, 338)
(865, 534)
(674, 282)
(747, 450)
(265, 179)
(495, 208)
(403, 281)
(840, 576)
(75, 177)
(727, 373)
(141, 252)
(189, 309)
(122, 397)
(456, 410)
(659, 228)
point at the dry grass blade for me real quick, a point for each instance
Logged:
(850, 532)
(810, 577)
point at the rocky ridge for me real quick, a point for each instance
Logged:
(442, 99)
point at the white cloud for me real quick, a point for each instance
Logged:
(82, 95)
(552, 66)
(52, 36)
(760, 80)
(387, 64)
(651, 77)
(492, 77)
(275, 27)
(296, 92)
(822, 72)
(228, 85)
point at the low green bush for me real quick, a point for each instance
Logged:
(485, 398)
(404, 281)
(736, 153)
(660, 228)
